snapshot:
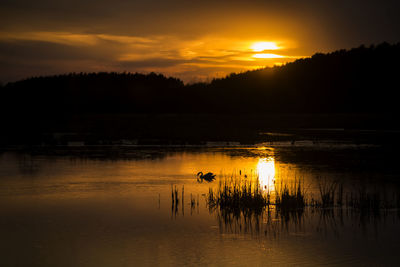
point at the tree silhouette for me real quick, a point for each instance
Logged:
(359, 80)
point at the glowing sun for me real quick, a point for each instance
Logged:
(261, 46)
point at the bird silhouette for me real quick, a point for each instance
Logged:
(209, 177)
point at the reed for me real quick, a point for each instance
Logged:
(290, 197)
(238, 195)
(327, 191)
(245, 195)
(365, 200)
(241, 204)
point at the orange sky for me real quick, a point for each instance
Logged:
(192, 41)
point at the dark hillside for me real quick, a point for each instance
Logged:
(91, 93)
(347, 81)
(350, 89)
(357, 81)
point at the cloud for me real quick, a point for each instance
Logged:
(189, 39)
(39, 53)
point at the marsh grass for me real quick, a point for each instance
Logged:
(242, 206)
(361, 198)
(237, 194)
(290, 197)
(327, 194)
(240, 195)
(178, 201)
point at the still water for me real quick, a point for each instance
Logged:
(116, 211)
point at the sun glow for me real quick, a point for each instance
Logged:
(266, 173)
(261, 46)
(264, 55)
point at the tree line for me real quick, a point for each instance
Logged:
(359, 80)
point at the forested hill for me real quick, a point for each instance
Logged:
(91, 93)
(360, 80)
(357, 80)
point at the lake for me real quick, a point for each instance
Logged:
(106, 208)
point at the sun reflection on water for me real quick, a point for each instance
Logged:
(266, 173)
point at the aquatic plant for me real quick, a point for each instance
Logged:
(245, 195)
(242, 206)
(327, 193)
(290, 198)
(238, 195)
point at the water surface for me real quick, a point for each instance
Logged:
(101, 211)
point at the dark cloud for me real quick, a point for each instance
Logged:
(31, 51)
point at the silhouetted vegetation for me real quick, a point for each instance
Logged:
(290, 197)
(238, 195)
(244, 195)
(93, 93)
(361, 80)
(242, 206)
(357, 80)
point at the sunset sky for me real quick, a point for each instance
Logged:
(192, 40)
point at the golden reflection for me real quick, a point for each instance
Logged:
(266, 173)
